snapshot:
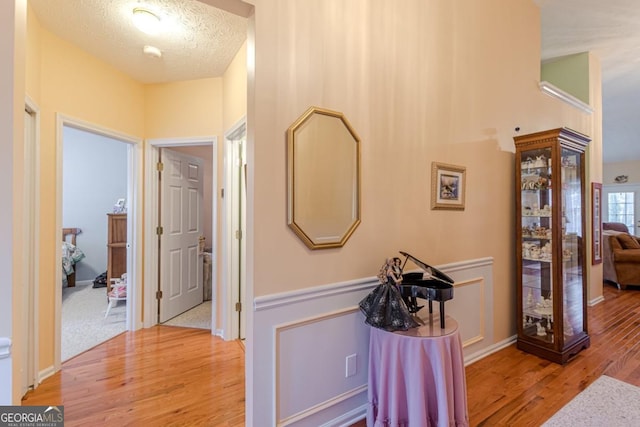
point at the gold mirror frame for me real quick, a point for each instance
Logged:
(323, 178)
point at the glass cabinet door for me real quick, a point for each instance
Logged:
(537, 244)
(551, 287)
(572, 259)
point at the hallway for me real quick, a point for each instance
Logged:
(161, 376)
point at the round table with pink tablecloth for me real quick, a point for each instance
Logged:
(417, 377)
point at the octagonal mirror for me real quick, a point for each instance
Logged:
(323, 178)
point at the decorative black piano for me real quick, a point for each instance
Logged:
(430, 284)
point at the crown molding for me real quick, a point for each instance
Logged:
(555, 92)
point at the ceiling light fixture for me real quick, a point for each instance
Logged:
(146, 21)
(152, 51)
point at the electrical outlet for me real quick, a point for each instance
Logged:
(350, 366)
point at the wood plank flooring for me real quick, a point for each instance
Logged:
(166, 376)
(161, 376)
(514, 388)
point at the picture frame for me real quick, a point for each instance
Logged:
(596, 217)
(448, 186)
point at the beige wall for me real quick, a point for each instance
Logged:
(64, 79)
(183, 109)
(234, 102)
(424, 82)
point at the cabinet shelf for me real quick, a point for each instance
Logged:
(550, 266)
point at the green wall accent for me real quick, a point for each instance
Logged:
(569, 73)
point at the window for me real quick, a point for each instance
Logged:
(621, 206)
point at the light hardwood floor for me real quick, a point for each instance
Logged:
(161, 376)
(178, 376)
(513, 388)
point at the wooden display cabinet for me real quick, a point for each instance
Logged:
(116, 247)
(550, 244)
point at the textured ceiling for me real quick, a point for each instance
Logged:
(611, 31)
(197, 40)
(200, 41)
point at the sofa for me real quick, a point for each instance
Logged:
(615, 226)
(621, 258)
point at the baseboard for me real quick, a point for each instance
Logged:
(595, 301)
(472, 358)
(45, 373)
(348, 419)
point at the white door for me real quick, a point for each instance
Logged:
(621, 203)
(181, 261)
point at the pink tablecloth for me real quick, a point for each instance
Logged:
(416, 380)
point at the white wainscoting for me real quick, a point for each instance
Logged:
(303, 339)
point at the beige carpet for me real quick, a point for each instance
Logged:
(198, 317)
(83, 323)
(606, 402)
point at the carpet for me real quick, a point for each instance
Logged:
(198, 317)
(605, 402)
(83, 323)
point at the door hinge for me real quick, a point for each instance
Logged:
(160, 166)
(159, 230)
(222, 193)
(159, 295)
(238, 306)
(238, 234)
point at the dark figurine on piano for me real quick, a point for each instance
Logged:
(430, 284)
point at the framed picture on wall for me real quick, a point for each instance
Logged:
(448, 186)
(596, 200)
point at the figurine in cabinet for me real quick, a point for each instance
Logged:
(550, 207)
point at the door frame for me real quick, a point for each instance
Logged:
(134, 223)
(31, 248)
(151, 277)
(230, 294)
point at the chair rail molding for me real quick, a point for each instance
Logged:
(290, 327)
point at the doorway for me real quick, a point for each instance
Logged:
(234, 226)
(205, 148)
(94, 179)
(80, 173)
(182, 238)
